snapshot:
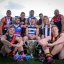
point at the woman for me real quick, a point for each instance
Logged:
(55, 42)
(46, 27)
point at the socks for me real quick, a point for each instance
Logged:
(49, 57)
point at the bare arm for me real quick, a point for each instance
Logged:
(4, 41)
(1, 27)
(26, 31)
(20, 42)
(59, 41)
(26, 22)
(16, 45)
(37, 31)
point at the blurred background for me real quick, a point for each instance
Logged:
(46, 7)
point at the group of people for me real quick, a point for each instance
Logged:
(17, 31)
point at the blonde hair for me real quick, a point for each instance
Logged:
(44, 21)
(15, 19)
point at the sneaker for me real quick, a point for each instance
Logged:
(50, 60)
(18, 57)
(28, 57)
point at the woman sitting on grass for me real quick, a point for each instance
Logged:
(55, 42)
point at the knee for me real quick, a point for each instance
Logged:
(19, 39)
(38, 38)
(61, 55)
(43, 42)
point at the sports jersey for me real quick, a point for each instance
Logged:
(57, 22)
(47, 30)
(18, 29)
(31, 30)
(29, 19)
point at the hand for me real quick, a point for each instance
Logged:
(50, 45)
(22, 23)
(32, 37)
(11, 44)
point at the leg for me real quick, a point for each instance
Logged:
(46, 50)
(20, 44)
(25, 39)
(7, 49)
(61, 56)
(3, 50)
(43, 42)
(38, 38)
(56, 49)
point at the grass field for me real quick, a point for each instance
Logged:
(33, 61)
(11, 61)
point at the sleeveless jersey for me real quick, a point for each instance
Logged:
(31, 30)
(18, 29)
(47, 30)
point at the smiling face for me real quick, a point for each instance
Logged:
(46, 20)
(8, 13)
(22, 15)
(11, 30)
(33, 21)
(55, 30)
(16, 21)
(31, 13)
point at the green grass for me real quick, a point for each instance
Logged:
(11, 61)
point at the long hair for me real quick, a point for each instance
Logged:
(44, 20)
(52, 33)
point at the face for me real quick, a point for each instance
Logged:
(11, 31)
(22, 15)
(31, 13)
(41, 16)
(54, 30)
(32, 21)
(8, 13)
(17, 21)
(56, 12)
(46, 20)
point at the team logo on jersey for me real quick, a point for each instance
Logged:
(19, 28)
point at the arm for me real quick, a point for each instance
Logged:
(20, 42)
(52, 21)
(26, 31)
(37, 31)
(24, 26)
(59, 41)
(26, 22)
(4, 41)
(16, 45)
(1, 28)
(62, 22)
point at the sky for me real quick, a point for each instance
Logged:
(46, 7)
